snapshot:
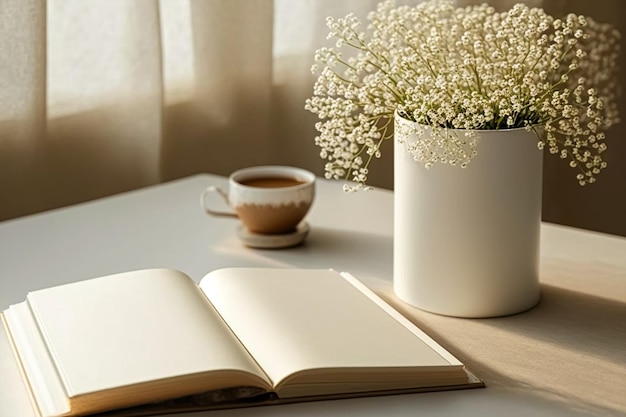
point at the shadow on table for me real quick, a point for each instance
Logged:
(569, 348)
(344, 250)
(588, 324)
(577, 341)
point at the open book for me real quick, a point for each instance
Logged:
(153, 341)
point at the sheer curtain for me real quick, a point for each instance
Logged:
(102, 96)
(105, 96)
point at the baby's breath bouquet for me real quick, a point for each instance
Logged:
(470, 68)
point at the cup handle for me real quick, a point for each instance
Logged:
(208, 210)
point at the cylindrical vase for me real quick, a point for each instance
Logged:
(466, 240)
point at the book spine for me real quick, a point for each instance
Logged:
(42, 376)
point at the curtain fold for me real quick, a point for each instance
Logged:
(105, 97)
(22, 105)
(223, 124)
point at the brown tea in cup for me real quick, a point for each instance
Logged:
(268, 199)
(271, 182)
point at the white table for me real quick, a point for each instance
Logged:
(567, 357)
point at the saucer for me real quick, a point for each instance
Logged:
(285, 240)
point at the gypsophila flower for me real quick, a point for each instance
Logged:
(465, 68)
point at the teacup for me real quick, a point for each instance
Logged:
(267, 199)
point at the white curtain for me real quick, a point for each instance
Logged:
(103, 96)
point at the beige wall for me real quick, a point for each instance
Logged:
(600, 206)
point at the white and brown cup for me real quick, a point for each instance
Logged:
(267, 199)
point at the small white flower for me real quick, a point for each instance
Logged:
(466, 68)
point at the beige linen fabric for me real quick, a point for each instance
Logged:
(105, 96)
(22, 104)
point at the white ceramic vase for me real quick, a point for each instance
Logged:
(466, 240)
